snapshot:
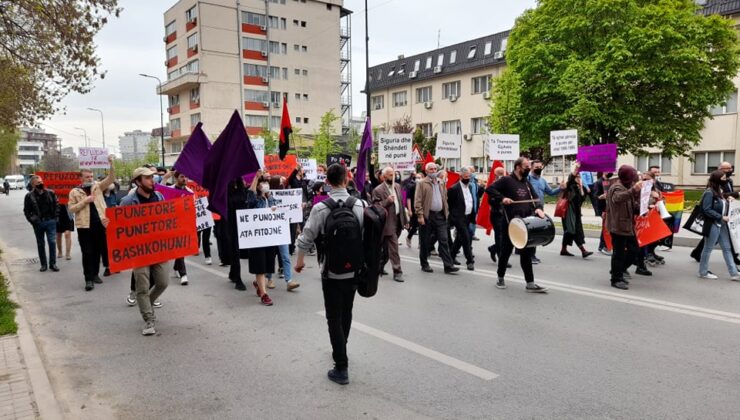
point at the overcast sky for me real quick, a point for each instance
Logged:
(133, 44)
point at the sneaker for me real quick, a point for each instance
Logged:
(470, 266)
(89, 285)
(643, 271)
(651, 261)
(292, 285)
(565, 253)
(43, 268)
(281, 273)
(149, 329)
(398, 277)
(500, 283)
(54, 268)
(131, 299)
(535, 288)
(475, 238)
(266, 300)
(209, 261)
(605, 252)
(427, 269)
(68, 257)
(586, 254)
(270, 284)
(106, 273)
(175, 275)
(736, 277)
(709, 276)
(450, 270)
(97, 280)
(535, 260)
(157, 304)
(338, 376)
(184, 280)
(620, 285)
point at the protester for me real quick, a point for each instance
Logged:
(41, 209)
(572, 223)
(262, 259)
(477, 188)
(715, 208)
(498, 221)
(388, 195)
(413, 220)
(338, 288)
(6, 187)
(505, 191)
(430, 203)
(587, 179)
(284, 251)
(87, 203)
(622, 202)
(541, 188)
(462, 199)
(181, 183)
(237, 200)
(155, 274)
(648, 251)
(65, 227)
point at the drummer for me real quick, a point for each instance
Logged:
(519, 200)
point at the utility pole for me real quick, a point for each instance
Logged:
(161, 111)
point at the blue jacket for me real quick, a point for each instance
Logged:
(132, 199)
(588, 179)
(541, 187)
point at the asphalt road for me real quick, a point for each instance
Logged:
(436, 346)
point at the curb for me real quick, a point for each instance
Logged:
(46, 401)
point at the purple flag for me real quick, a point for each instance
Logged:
(598, 158)
(170, 193)
(365, 148)
(193, 155)
(230, 157)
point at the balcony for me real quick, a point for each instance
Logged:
(192, 51)
(174, 109)
(171, 62)
(254, 55)
(184, 81)
(254, 29)
(191, 24)
(169, 38)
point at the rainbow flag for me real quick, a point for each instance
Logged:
(674, 202)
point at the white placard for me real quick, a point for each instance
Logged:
(203, 216)
(647, 187)
(401, 167)
(94, 158)
(290, 201)
(563, 142)
(309, 168)
(395, 148)
(734, 223)
(258, 144)
(503, 146)
(257, 228)
(449, 146)
(320, 177)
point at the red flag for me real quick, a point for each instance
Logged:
(452, 178)
(427, 159)
(484, 214)
(285, 130)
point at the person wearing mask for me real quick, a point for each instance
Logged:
(622, 203)
(181, 183)
(41, 209)
(65, 227)
(541, 188)
(261, 260)
(87, 203)
(600, 189)
(388, 195)
(284, 251)
(572, 224)
(518, 199)
(413, 220)
(477, 191)
(715, 208)
(150, 281)
(430, 203)
(461, 200)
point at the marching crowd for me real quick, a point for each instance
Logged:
(337, 218)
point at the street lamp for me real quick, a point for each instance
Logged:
(102, 122)
(84, 133)
(161, 110)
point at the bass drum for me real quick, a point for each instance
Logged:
(530, 232)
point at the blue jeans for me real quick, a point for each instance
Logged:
(722, 235)
(284, 255)
(48, 228)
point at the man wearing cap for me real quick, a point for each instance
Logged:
(143, 178)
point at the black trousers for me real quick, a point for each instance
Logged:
(222, 241)
(525, 258)
(413, 226)
(436, 226)
(339, 297)
(180, 267)
(625, 253)
(463, 239)
(204, 240)
(92, 244)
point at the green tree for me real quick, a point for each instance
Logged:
(639, 73)
(324, 142)
(8, 143)
(271, 140)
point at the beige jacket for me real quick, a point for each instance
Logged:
(423, 197)
(81, 209)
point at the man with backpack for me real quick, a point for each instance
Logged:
(336, 224)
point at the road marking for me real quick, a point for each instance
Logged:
(209, 269)
(458, 364)
(663, 305)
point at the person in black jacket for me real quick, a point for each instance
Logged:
(41, 209)
(461, 201)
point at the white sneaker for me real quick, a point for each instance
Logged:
(131, 299)
(175, 274)
(149, 329)
(209, 261)
(736, 277)
(184, 280)
(709, 276)
(157, 304)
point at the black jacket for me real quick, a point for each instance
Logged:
(517, 190)
(456, 203)
(40, 207)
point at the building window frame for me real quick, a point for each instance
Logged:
(701, 164)
(400, 99)
(377, 102)
(451, 89)
(423, 94)
(481, 84)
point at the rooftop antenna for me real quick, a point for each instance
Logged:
(439, 34)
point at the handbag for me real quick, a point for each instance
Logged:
(561, 208)
(695, 222)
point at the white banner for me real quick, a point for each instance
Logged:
(647, 188)
(258, 144)
(309, 168)
(94, 158)
(564, 142)
(203, 216)
(395, 148)
(259, 228)
(290, 201)
(734, 223)
(503, 146)
(449, 146)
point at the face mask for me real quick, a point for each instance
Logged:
(525, 172)
(87, 184)
(465, 181)
(728, 173)
(40, 186)
(538, 171)
(265, 188)
(433, 175)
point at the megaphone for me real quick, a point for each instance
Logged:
(663, 211)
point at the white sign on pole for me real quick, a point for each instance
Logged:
(503, 146)
(647, 188)
(734, 223)
(395, 148)
(309, 168)
(259, 228)
(94, 158)
(290, 201)
(203, 216)
(563, 142)
(449, 146)
(258, 144)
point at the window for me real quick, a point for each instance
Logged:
(440, 59)
(177, 146)
(481, 84)
(254, 44)
(283, 23)
(255, 70)
(276, 97)
(191, 14)
(192, 67)
(392, 71)
(399, 99)
(487, 50)
(729, 107)
(277, 1)
(297, 96)
(305, 72)
(453, 57)
(296, 47)
(450, 89)
(175, 124)
(274, 22)
(284, 48)
(426, 129)
(173, 100)
(305, 121)
(377, 102)
(479, 125)
(423, 94)
(417, 65)
(304, 48)
(254, 19)
(504, 42)
(402, 70)
(171, 53)
(303, 24)
(297, 72)
(305, 96)
(295, 22)
(708, 162)
(275, 122)
(253, 95)
(274, 47)
(285, 73)
(192, 41)
(170, 28)
(298, 120)
(195, 95)
(451, 127)
(471, 53)
(194, 120)
(255, 120)
(275, 72)
(429, 63)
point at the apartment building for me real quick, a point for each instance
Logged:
(252, 55)
(134, 145)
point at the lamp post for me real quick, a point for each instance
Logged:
(161, 110)
(102, 122)
(84, 134)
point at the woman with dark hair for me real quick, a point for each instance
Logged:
(572, 223)
(261, 260)
(715, 208)
(622, 203)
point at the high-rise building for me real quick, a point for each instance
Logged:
(33, 145)
(134, 144)
(251, 55)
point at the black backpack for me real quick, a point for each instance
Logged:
(372, 226)
(342, 239)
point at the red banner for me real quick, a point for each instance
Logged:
(650, 228)
(61, 182)
(277, 167)
(606, 233)
(152, 233)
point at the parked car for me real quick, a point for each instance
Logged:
(17, 182)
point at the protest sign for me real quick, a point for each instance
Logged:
(449, 146)
(647, 187)
(259, 228)
(395, 148)
(650, 228)
(309, 168)
(93, 158)
(197, 189)
(563, 142)
(598, 158)
(734, 223)
(203, 217)
(61, 182)
(339, 158)
(320, 177)
(146, 234)
(276, 167)
(503, 146)
(258, 144)
(170, 193)
(290, 201)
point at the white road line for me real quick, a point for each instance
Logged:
(209, 269)
(663, 305)
(486, 375)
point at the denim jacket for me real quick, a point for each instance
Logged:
(712, 207)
